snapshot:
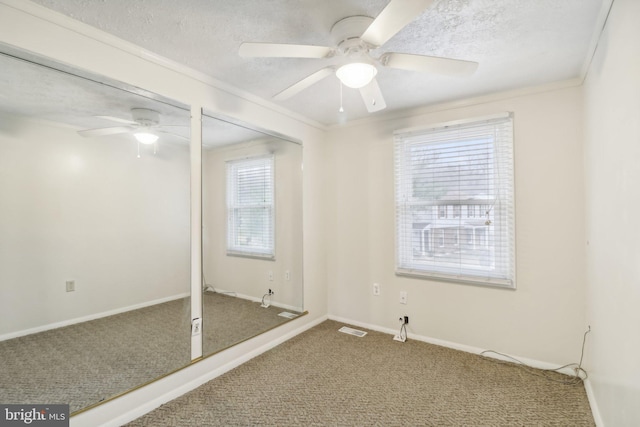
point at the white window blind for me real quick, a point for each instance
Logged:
(455, 204)
(250, 207)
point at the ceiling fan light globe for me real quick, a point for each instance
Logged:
(356, 74)
(145, 137)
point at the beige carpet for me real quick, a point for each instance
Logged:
(89, 362)
(326, 378)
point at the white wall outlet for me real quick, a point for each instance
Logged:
(196, 327)
(287, 275)
(71, 285)
(376, 289)
(403, 297)
(270, 276)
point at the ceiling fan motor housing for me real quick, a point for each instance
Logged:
(346, 34)
(145, 117)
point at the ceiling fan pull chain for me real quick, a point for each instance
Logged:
(155, 148)
(138, 149)
(341, 109)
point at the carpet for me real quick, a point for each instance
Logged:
(326, 378)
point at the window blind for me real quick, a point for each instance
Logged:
(250, 207)
(454, 202)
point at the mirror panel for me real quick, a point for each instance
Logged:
(94, 235)
(241, 267)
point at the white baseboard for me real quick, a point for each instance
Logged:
(456, 346)
(197, 382)
(593, 403)
(69, 322)
(255, 299)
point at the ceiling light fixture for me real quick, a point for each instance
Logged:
(356, 74)
(146, 137)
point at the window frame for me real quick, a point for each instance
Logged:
(232, 247)
(504, 204)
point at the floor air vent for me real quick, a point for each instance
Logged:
(352, 331)
(288, 315)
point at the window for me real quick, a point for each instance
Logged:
(250, 216)
(471, 211)
(465, 163)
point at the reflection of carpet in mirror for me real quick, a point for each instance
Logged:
(85, 363)
(229, 320)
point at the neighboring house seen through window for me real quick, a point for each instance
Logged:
(250, 207)
(454, 202)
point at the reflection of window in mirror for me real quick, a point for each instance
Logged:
(456, 211)
(250, 197)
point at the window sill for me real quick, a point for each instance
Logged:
(467, 280)
(252, 255)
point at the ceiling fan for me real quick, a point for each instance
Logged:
(354, 38)
(145, 126)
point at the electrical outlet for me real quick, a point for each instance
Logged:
(196, 327)
(406, 320)
(403, 297)
(71, 285)
(376, 289)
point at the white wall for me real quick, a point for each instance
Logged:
(544, 318)
(87, 210)
(249, 277)
(612, 160)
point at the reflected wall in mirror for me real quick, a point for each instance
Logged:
(252, 232)
(94, 235)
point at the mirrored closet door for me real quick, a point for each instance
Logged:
(94, 234)
(252, 232)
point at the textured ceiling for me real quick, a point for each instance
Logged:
(54, 94)
(517, 43)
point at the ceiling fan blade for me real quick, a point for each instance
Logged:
(105, 131)
(372, 97)
(394, 17)
(430, 64)
(117, 119)
(275, 50)
(173, 134)
(304, 83)
(171, 126)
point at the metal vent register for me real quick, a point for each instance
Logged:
(352, 331)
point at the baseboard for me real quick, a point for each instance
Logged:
(456, 346)
(195, 383)
(595, 411)
(95, 316)
(254, 299)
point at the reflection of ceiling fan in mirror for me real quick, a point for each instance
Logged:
(354, 39)
(145, 126)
